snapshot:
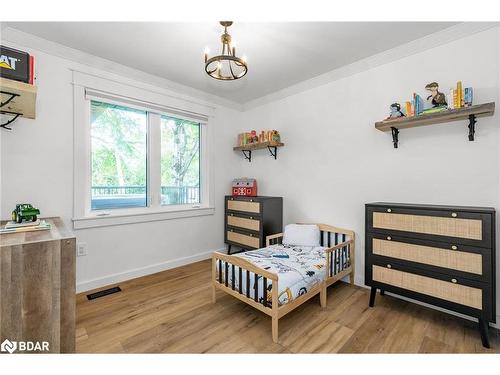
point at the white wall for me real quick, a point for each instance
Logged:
(37, 167)
(334, 160)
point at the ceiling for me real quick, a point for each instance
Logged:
(278, 54)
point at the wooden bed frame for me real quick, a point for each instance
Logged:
(341, 251)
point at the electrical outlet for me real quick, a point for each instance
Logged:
(81, 249)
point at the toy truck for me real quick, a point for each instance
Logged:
(24, 212)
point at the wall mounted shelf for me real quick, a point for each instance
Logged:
(247, 149)
(465, 113)
(16, 99)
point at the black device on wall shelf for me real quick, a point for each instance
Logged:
(440, 255)
(247, 149)
(248, 220)
(466, 113)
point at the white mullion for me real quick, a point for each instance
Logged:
(154, 155)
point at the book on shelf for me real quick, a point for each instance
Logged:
(460, 99)
(42, 225)
(13, 224)
(434, 110)
(418, 104)
(468, 95)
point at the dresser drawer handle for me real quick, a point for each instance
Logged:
(389, 266)
(251, 235)
(231, 214)
(231, 199)
(251, 200)
(454, 281)
(230, 230)
(453, 247)
(389, 238)
(389, 210)
(251, 217)
(454, 214)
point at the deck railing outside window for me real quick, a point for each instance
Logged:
(106, 197)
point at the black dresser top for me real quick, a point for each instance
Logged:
(432, 207)
(249, 197)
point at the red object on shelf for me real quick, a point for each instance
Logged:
(32, 70)
(246, 187)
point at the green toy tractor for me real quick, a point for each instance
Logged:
(26, 212)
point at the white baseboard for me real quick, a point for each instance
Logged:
(84, 286)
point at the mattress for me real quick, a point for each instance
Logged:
(299, 269)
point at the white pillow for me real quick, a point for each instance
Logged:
(301, 235)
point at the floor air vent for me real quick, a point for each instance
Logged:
(103, 293)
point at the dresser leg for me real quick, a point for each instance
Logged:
(373, 293)
(382, 292)
(483, 328)
(228, 249)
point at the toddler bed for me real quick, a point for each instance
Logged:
(280, 277)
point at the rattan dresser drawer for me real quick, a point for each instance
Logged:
(243, 206)
(246, 240)
(249, 223)
(451, 258)
(445, 290)
(468, 228)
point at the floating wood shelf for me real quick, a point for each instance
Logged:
(247, 149)
(17, 99)
(466, 113)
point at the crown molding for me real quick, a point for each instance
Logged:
(26, 40)
(430, 41)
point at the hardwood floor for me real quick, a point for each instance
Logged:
(172, 312)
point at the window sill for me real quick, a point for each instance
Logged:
(143, 216)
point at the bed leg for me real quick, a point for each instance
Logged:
(351, 277)
(275, 329)
(214, 277)
(322, 296)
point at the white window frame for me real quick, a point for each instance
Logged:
(87, 88)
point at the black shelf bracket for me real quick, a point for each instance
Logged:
(247, 154)
(395, 136)
(472, 127)
(275, 153)
(12, 96)
(5, 125)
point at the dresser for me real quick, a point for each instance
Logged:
(248, 220)
(37, 287)
(440, 255)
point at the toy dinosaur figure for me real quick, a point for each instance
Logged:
(438, 98)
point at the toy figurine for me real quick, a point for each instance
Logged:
(275, 138)
(438, 98)
(395, 111)
(253, 137)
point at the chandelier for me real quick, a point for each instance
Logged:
(226, 66)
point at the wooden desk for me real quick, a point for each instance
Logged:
(37, 287)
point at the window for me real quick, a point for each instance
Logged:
(140, 155)
(119, 156)
(180, 161)
(119, 148)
